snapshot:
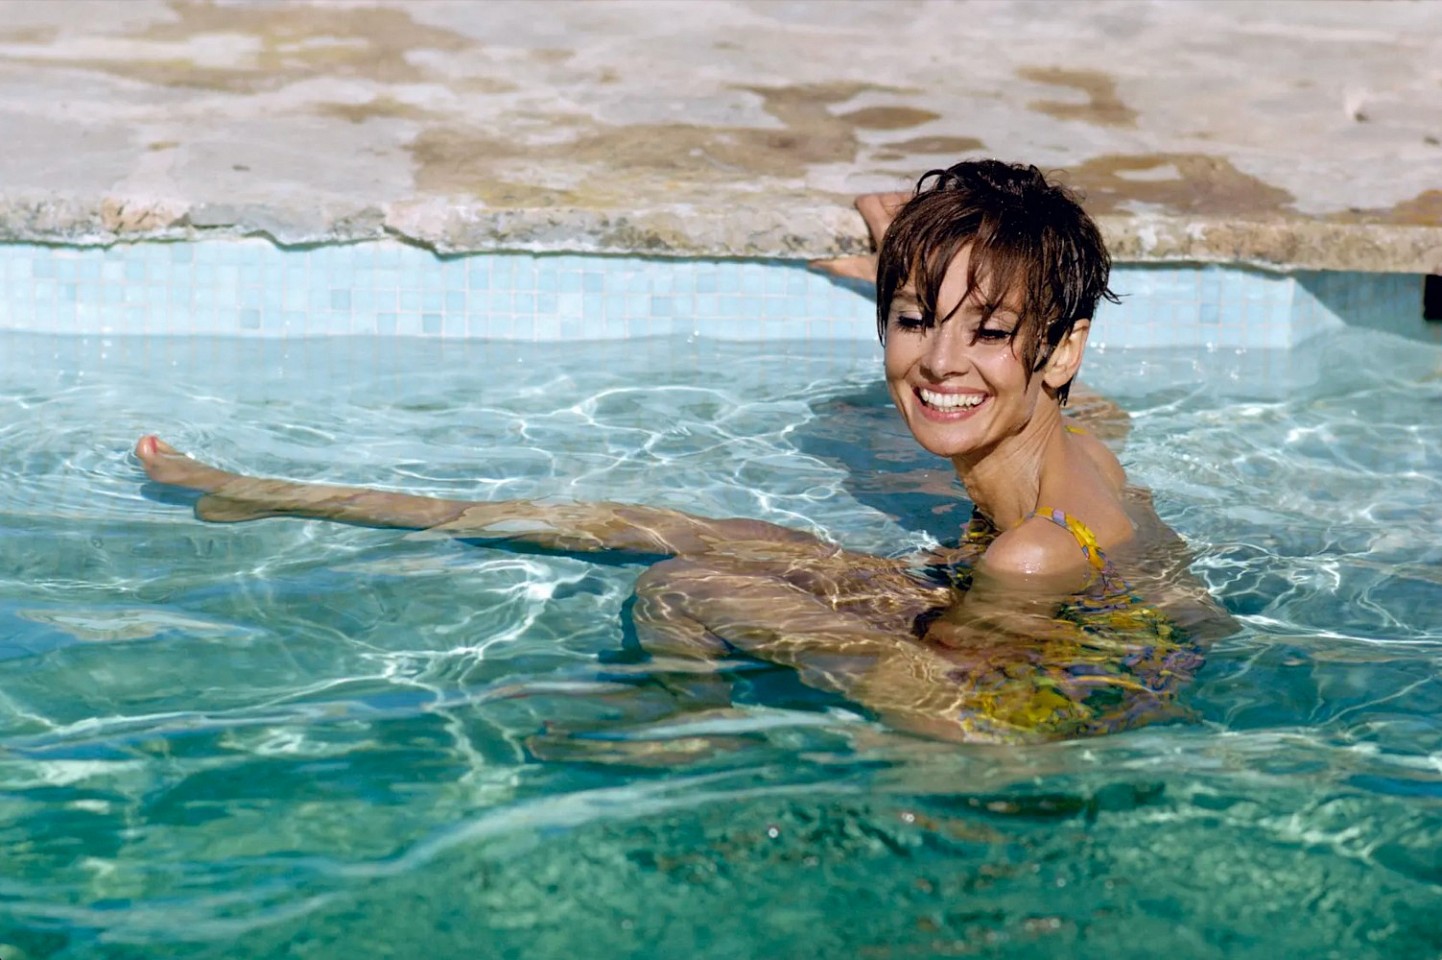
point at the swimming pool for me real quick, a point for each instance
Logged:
(289, 738)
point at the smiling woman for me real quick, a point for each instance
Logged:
(985, 291)
(1049, 618)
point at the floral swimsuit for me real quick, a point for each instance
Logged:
(1110, 662)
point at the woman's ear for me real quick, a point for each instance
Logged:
(1066, 357)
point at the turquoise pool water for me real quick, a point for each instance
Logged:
(294, 739)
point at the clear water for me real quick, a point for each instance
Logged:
(297, 739)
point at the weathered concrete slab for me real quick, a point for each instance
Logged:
(1282, 134)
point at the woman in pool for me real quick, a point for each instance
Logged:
(1033, 627)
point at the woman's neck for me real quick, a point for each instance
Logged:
(1005, 481)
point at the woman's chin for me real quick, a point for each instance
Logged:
(943, 447)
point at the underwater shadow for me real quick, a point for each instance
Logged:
(885, 468)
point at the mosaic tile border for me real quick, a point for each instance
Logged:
(253, 288)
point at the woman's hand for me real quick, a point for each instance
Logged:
(878, 210)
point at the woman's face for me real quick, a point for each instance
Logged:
(957, 381)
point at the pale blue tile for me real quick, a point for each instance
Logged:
(683, 276)
(575, 328)
(455, 274)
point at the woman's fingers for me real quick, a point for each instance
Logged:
(852, 268)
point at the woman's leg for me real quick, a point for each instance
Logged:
(571, 527)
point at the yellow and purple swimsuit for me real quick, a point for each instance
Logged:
(1113, 661)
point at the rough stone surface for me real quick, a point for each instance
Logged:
(1280, 134)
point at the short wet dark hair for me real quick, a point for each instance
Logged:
(1029, 238)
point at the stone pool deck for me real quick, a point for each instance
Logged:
(1281, 134)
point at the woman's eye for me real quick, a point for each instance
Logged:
(993, 334)
(910, 321)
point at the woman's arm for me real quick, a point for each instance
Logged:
(571, 527)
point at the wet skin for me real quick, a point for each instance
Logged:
(924, 655)
(865, 627)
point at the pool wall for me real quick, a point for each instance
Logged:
(252, 288)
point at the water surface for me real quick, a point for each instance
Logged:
(292, 738)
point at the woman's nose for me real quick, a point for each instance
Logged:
(947, 353)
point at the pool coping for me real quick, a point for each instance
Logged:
(1289, 136)
(800, 229)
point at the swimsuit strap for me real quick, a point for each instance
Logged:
(1084, 537)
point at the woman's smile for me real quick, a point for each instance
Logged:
(949, 406)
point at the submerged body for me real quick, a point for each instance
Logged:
(1064, 611)
(880, 631)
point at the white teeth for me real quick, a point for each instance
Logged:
(950, 401)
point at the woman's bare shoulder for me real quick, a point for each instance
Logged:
(1101, 458)
(1038, 552)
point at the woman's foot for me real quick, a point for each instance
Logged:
(164, 464)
